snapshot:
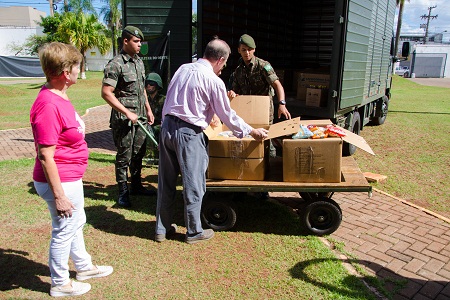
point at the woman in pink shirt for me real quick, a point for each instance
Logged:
(62, 158)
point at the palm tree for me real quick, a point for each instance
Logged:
(400, 3)
(112, 16)
(83, 5)
(84, 32)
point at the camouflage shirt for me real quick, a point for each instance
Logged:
(127, 75)
(157, 106)
(254, 79)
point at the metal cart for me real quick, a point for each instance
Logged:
(320, 214)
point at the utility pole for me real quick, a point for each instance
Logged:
(428, 21)
(52, 12)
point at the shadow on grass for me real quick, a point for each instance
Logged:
(253, 214)
(419, 112)
(36, 86)
(101, 140)
(20, 272)
(385, 282)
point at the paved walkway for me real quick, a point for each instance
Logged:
(18, 143)
(386, 235)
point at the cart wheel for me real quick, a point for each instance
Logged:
(308, 196)
(321, 217)
(218, 214)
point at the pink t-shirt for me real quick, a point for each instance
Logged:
(54, 121)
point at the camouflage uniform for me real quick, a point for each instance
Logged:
(127, 75)
(255, 79)
(157, 107)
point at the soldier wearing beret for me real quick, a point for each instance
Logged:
(254, 76)
(123, 89)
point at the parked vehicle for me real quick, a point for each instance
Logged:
(402, 71)
(351, 41)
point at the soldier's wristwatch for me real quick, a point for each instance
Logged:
(282, 102)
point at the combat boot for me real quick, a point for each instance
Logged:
(137, 188)
(124, 195)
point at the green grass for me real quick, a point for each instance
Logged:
(412, 147)
(16, 99)
(264, 257)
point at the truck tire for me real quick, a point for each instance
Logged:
(382, 114)
(349, 149)
(218, 214)
(321, 217)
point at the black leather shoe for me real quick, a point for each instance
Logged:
(140, 190)
(124, 195)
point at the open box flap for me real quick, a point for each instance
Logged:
(350, 137)
(287, 127)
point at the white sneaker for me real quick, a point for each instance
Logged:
(100, 271)
(75, 288)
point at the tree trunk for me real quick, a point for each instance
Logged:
(83, 68)
(399, 27)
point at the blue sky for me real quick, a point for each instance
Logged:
(413, 11)
(43, 5)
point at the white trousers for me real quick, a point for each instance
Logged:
(67, 233)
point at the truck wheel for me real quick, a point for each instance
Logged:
(349, 149)
(218, 214)
(406, 75)
(308, 196)
(382, 113)
(321, 217)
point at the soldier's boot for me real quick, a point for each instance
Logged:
(124, 195)
(137, 188)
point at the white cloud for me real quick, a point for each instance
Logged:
(413, 10)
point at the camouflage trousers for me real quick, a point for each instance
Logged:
(130, 141)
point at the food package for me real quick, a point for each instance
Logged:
(303, 133)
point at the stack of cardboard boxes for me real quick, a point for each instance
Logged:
(304, 160)
(313, 88)
(245, 159)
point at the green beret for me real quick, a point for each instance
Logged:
(134, 31)
(247, 40)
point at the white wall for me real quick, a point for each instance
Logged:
(436, 48)
(15, 35)
(95, 61)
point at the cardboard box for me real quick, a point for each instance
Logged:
(237, 168)
(312, 160)
(316, 97)
(311, 80)
(317, 160)
(245, 159)
(253, 109)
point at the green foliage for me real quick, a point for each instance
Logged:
(112, 15)
(84, 32)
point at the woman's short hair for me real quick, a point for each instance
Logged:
(57, 57)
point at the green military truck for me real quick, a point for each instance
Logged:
(334, 57)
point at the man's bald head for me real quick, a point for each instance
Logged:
(216, 49)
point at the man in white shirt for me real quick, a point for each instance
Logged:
(194, 95)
